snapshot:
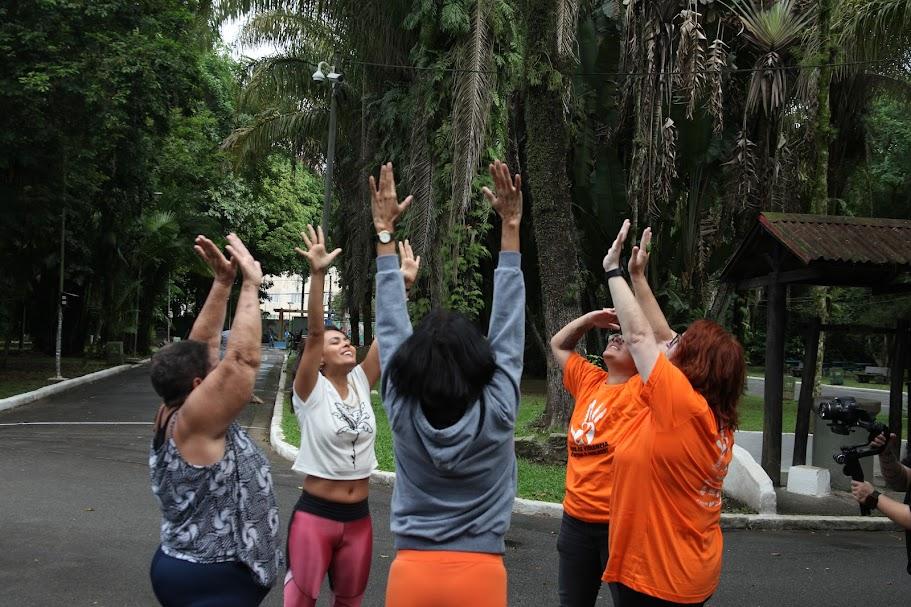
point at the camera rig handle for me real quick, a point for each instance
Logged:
(849, 457)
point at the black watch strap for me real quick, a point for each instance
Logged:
(872, 500)
(611, 273)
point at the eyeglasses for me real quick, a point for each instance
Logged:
(616, 338)
(671, 344)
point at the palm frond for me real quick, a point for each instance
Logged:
(275, 128)
(874, 30)
(471, 108)
(715, 65)
(566, 22)
(283, 29)
(422, 215)
(772, 28)
(690, 76)
(279, 80)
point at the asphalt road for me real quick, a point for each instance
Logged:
(78, 524)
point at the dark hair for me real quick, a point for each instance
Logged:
(174, 368)
(444, 365)
(712, 359)
(332, 327)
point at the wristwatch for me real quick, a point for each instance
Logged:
(872, 500)
(384, 236)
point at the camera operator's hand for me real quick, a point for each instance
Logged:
(861, 491)
(881, 440)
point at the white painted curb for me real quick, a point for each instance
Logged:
(30, 397)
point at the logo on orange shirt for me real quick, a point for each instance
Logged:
(585, 433)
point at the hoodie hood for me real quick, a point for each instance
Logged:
(447, 447)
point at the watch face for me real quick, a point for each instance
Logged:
(385, 237)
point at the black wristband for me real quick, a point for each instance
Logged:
(872, 500)
(615, 272)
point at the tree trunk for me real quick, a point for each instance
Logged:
(547, 148)
(819, 204)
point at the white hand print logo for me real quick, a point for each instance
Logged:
(585, 433)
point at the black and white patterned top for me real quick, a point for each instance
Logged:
(222, 512)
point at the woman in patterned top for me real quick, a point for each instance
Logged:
(219, 526)
(331, 530)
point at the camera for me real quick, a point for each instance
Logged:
(844, 414)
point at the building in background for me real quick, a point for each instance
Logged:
(282, 310)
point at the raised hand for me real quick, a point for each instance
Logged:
(409, 263)
(507, 201)
(249, 267)
(224, 270)
(638, 261)
(385, 204)
(316, 254)
(605, 318)
(612, 259)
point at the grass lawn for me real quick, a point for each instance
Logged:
(26, 371)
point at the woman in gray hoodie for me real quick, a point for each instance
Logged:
(451, 396)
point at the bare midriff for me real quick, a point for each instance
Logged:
(342, 492)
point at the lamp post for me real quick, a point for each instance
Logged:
(334, 78)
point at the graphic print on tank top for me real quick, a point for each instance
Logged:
(352, 419)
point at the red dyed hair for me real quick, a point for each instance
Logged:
(712, 359)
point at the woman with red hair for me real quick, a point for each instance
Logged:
(671, 458)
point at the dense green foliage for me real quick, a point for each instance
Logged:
(691, 116)
(114, 113)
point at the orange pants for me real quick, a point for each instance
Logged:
(432, 578)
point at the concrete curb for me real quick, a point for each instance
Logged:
(748, 482)
(29, 397)
(806, 522)
(776, 522)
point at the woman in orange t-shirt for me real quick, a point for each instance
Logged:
(582, 543)
(671, 458)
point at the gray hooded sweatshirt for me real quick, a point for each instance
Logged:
(455, 486)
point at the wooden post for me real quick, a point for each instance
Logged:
(896, 377)
(805, 402)
(774, 381)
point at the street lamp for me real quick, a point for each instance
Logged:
(335, 78)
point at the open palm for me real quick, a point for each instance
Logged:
(316, 253)
(409, 263)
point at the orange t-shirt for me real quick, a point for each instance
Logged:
(589, 443)
(669, 465)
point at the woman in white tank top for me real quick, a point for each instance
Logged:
(330, 530)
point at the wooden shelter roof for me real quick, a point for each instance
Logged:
(823, 250)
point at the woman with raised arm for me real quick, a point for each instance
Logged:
(671, 458)
(451, 397)
(582, 542)
(331, 529)
(219, 529)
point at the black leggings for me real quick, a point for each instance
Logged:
(624, 596)
(583, 556)
(180, 583)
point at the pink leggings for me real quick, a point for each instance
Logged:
(318, 545)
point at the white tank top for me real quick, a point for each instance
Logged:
(337, 435)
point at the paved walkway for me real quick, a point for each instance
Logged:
(79, 524)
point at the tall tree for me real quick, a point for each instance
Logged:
(549, 54)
